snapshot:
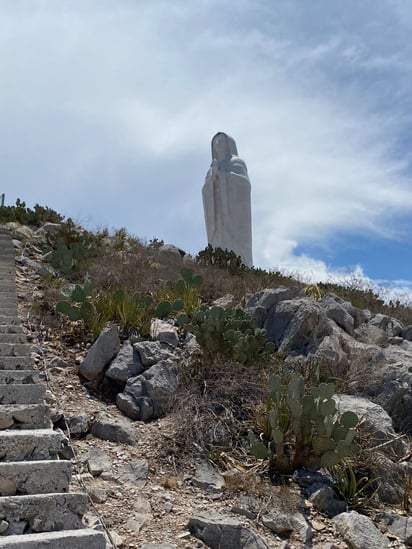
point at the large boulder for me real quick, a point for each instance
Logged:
(149, 395)
(359, 531)
(389, 383)
(375, 424)
(335, 310)
(389, 325)
(103, 350)
(219, 531)
(126, 364)
(259, 304)
(151, 352)
(297, 326)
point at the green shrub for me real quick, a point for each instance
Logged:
(223, 259)
(229, 333)
(132, 312)
(182, 295)
(26, 216)
(72, 248)
(303, 430)
(357, 490)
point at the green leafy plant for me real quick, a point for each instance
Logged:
(26, 216)
(224, 259)
(132, 312)
(123, 240)
(72, 248)
(229, 333)
(81, 305)
(182, 295)
(303, 429)
(357, 491)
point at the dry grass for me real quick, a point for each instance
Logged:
(216, 407)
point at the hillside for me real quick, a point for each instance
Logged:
(157, 367)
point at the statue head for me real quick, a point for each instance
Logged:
(223, 147)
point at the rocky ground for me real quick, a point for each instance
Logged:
(145, 495)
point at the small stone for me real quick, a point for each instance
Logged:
(207, 478)
(98, 461)
(117, 539)
(7, 487)
(3, 526)
(6, 422)
(98, 495)
(113, 429)
(136, 523)
(318, 526)
(134, 473)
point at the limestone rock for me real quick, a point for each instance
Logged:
(337, 312)
(149, 395)
(126, 364)
(134, 473)
(151, 352)
(399, 525)
(103, 350)
(97, 461)
(164, 331)
(107, 427)
(170, 254)
(223, 532)
(389, 325)
(297, 326)
(359, 531)
(284, 523)
(374, 421)
(207, 478)
(78, 425)
(225, 301)
(259, 304)
(324, 500)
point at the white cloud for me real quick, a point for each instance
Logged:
(107, 111)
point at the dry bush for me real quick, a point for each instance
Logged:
(216, 406)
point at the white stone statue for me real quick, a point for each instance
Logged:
(226, 200)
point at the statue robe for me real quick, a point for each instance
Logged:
(226, 200)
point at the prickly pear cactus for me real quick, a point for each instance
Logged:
(229, 333)
(303, 428)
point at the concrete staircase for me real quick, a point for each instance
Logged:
(37, 511)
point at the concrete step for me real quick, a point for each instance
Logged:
(34, 477)
(14, 349)
(9, 320)
(11, 329)
(16, 362)
(20, 376)
(26, 444)
(66, 539)
(24, 393)
(25, 416)
(42, 512)
(8, 311)
(7, 300)
(12, 338)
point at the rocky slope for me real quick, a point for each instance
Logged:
(144, 495)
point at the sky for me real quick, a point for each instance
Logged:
(107, 110)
